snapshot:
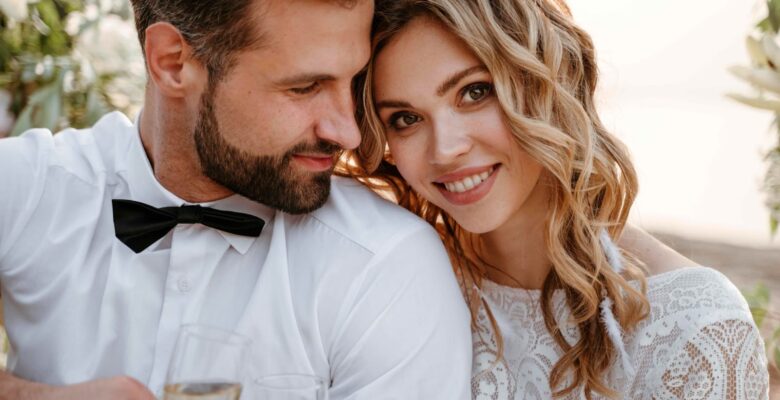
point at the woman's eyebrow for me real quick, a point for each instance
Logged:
(392, 104)
(456, 77)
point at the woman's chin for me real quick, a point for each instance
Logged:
(476, 224)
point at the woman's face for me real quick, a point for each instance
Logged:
(446, 131)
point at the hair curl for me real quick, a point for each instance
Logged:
(545, 74)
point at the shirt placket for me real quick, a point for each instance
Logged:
(193, 249)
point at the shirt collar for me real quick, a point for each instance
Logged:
(144, 187)
(241, 204)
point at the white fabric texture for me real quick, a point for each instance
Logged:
(699, 342)
(359, 292)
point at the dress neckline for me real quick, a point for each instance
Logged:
(535, 294)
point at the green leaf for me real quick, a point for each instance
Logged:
(44, 108)
(23, 122)
(96, 107)
(777, 356)
(764, 25)
(774, 15)
(773, 225)
(56, 41)
(758, 300)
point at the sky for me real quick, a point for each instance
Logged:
(664, 79)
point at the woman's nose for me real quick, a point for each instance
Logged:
(451, 140)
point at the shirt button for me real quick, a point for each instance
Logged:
(183, 285)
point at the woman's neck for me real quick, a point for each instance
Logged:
(516, 252)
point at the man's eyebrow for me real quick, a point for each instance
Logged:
(392, 104)
(304, 78)
(455, 78)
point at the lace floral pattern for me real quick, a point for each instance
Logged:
(699, 342)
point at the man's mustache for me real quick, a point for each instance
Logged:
(320, 147)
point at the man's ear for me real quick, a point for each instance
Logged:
(169, 59)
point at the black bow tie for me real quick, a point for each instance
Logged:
(138, 225)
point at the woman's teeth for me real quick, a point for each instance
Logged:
(467, 183)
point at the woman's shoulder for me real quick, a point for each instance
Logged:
(706, 287)
(685, 302)
(701, 328)
(656, 257)
(676, 283)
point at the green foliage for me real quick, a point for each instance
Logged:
(772, 22)
(775, 342)
(54, 63)
(759, 301)
(764, 76)
(40, 35)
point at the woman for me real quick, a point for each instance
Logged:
(488, 113)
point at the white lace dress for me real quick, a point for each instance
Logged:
(699, 342)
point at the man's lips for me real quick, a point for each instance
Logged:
(315, 162)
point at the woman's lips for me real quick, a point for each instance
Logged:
(467, 195)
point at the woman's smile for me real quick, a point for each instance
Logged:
(468, 185)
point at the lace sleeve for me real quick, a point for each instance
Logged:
(714, 350)
(725, 360)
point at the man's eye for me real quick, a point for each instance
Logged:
(306, 89)
(403, 120)
(476, 92)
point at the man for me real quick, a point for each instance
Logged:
(104, 253)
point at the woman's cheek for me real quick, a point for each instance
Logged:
(408, 159)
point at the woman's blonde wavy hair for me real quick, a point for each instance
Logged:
(544, 71)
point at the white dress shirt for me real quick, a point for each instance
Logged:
(359, 292)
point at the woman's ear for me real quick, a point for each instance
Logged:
(170, 61)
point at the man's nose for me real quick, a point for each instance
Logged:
(337, 124)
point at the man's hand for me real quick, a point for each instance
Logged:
(117, 388)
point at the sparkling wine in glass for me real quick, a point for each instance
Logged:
(207, 364)
(203, 391)
(288, 387)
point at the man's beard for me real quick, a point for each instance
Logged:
(269, 180)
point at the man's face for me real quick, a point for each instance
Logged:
(272, 129)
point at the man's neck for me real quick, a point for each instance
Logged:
(169, 145)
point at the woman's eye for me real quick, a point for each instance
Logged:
(475, 92)
(403, 120)
(306, 89)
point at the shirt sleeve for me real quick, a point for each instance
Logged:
(22, 178)
(407, 333)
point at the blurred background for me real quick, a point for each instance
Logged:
(675, 77)
(664, 82)
(690, 86)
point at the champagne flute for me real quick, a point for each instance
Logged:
(288, 387)
(207, 364)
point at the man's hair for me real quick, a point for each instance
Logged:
(216, 29)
